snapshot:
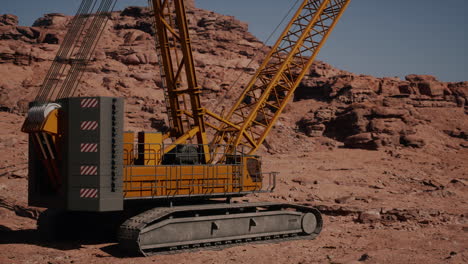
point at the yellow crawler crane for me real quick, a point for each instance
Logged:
(170, 191)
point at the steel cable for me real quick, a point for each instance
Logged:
(66, 60)
(74, 55)
(88, 45)
(77, 61)
(69, 40)
(56, 63)
(93, 45)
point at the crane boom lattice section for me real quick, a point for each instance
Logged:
(249, 121)
(179, 76)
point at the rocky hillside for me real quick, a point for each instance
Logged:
(359, 110)
(383, 158)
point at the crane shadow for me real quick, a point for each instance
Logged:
(33, 237)
(115, 251)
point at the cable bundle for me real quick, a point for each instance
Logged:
(85, 30)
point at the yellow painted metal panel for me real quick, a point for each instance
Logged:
(180, 180)
(128, 145)
(51, 123)
(149, 147)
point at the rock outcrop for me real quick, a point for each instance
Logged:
(409, 192)
(361, 111)
(371, 126)
(8, 20)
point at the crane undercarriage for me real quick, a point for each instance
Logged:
(164, 229)
(195, 227)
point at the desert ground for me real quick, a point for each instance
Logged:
(385, 160)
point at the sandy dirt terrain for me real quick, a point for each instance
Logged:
(385, 160)
(392, 206)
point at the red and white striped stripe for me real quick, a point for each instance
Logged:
(88, 170)
(89, 125)
(89, 102)
(89, 147)
(88, 193)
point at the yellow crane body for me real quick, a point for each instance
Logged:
(172, 190)
(145, 176)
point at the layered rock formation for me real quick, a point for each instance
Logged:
(361, 111)
(368, 112)
(411, 192)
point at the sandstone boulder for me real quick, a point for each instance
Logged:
(133, 11)
(146, 76)
(9, 33)
(350, 121)
(390, 126)
(457, 133)
(427, 84)
(412, 141)
(371, 126)
(8, 20)
(315, 130)
(29, 32)
(29, 212)
(313, 123)
(322, 69)
(131, 59)
(52, 21)
(459, 88)
(388, 112)
(212, 85)
(390, 86)
(362, 140)
(51, 38)
(324, 114)
(370, 216)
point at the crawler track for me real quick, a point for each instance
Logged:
(171, 230)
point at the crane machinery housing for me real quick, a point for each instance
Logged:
(171, 190)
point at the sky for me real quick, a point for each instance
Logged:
(375, 37)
